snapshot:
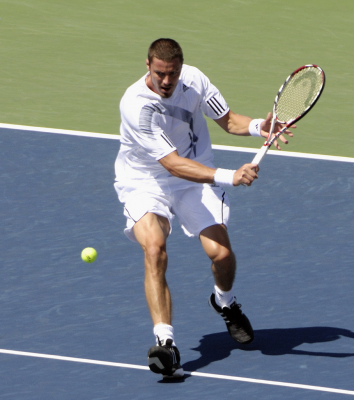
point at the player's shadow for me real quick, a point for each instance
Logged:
(271, 342)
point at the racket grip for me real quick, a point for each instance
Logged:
(259, 156)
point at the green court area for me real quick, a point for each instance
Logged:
(66, 63)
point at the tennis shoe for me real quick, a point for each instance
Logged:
(165, 359)
(238, 325)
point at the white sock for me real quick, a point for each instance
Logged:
(164, 332)
(223, 299)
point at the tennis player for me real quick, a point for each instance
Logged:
(164, 169)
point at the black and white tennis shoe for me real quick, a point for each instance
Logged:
(237, 323)
(165, 359)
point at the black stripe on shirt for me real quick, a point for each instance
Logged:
(215, 106)
(167, 140)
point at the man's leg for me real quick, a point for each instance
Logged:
(216, 244)
(151, 232)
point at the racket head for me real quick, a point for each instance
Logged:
(299, 93)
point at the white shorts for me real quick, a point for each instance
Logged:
(196, 207)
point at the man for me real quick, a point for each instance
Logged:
(163, 169)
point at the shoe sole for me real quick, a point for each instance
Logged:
(179, 373)
(159, 360)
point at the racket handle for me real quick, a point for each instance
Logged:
(261, 153)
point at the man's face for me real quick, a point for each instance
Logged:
(163, 76)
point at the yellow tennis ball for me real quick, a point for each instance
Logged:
(89, 254)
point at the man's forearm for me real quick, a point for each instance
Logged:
(185, 168)
(235, 124)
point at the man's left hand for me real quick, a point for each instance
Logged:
(265, 127)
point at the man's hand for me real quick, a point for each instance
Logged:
(246, 175)
(265, 128)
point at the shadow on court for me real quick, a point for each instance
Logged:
(271, 342)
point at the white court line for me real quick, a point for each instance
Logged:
(199, 374)
(215, 146)
(286, 153)
(60, 131)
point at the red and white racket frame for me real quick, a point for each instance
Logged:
(271, 139)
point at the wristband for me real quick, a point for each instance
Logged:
(254, 127)
(224, 177)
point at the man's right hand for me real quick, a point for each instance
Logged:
(246, 175)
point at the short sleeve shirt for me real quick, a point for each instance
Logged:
(152, 127)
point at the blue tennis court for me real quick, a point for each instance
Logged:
(293, 236)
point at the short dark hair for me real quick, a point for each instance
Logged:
(165, 50)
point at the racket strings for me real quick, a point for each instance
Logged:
(298, 93)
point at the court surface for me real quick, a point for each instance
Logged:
(293, 235)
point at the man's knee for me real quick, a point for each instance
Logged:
(216, 244)
(223, 256)
(152, 236)
(155, 251)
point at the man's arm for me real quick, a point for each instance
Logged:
(193, 171)
(237, 124)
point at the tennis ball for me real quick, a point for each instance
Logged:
(89, 254)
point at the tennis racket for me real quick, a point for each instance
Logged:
(295, 98)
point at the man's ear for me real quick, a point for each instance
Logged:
(147, 64)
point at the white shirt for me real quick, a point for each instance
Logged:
(153, 127)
